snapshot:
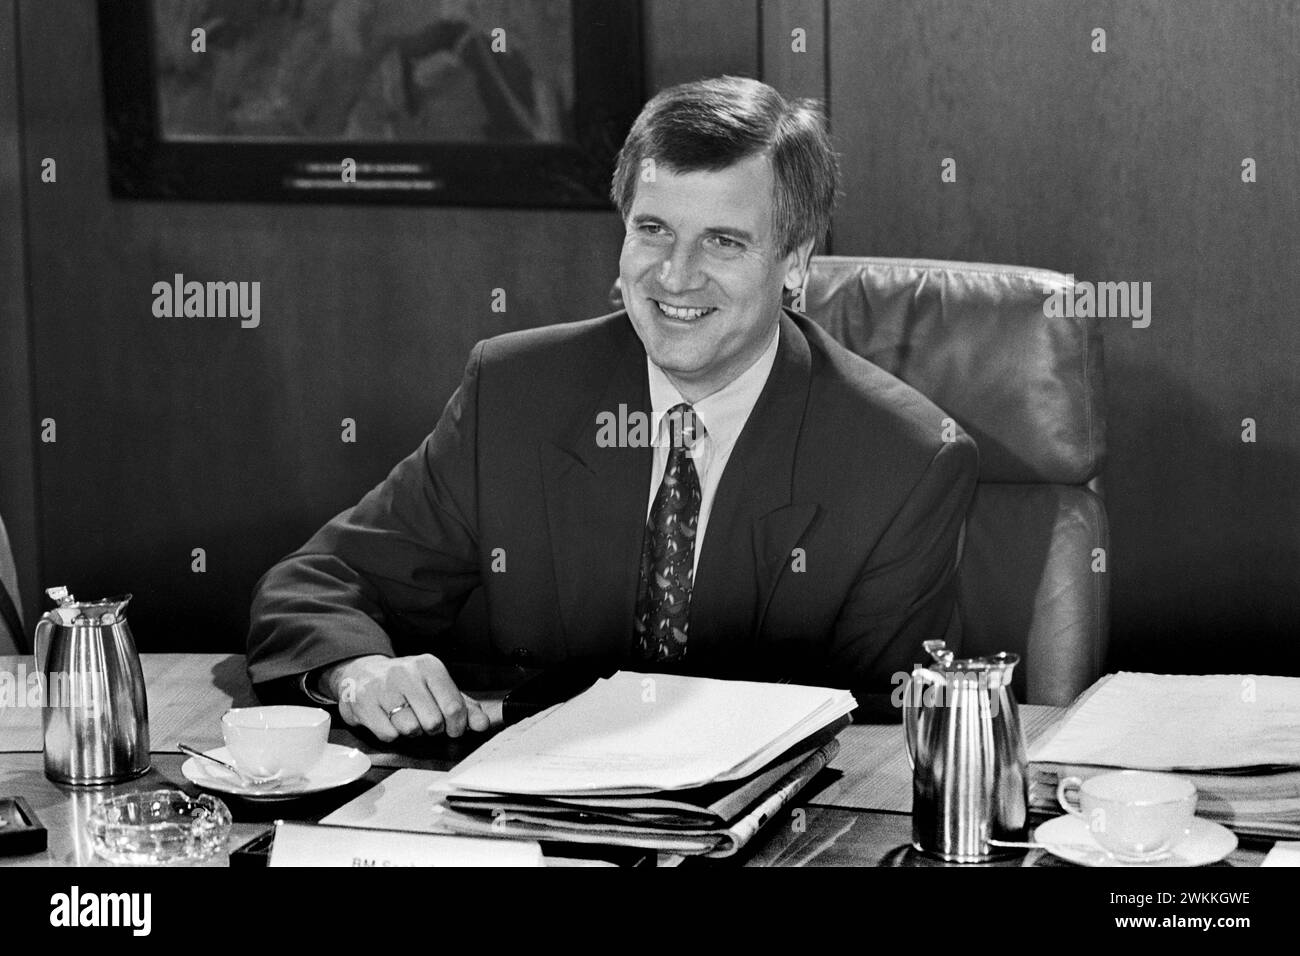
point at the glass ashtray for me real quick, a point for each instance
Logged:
(154, 827)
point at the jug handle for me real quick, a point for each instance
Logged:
(913, 714)
(44, 627)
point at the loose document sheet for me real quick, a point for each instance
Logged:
(1181, 722)
(643, 733)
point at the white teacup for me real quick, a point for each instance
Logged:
(1135, 816)
(278, 740)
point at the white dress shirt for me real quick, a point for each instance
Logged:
(723, 415)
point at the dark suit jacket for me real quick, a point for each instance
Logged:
(829, 556)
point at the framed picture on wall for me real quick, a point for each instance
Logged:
(451, 102)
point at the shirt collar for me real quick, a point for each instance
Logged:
(723, 413)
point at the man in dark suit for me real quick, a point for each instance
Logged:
(704, 482)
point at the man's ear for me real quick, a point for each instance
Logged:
(796, 265)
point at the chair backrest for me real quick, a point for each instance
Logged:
(10, 643)
(977, 340)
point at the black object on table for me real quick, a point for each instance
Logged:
(21, 831)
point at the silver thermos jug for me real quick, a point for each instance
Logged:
(970, 789)
(95, 717)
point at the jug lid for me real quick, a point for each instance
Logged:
(946, 661)
(70, 611)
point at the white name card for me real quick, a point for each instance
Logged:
(306, 844)
(1283, 854)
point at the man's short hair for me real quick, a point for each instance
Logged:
(712, 124)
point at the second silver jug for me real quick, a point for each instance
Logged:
(95, 716)
(969, 781)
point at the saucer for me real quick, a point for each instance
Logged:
(337, 766)
(1069, 838)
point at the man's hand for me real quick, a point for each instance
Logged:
(402, 697)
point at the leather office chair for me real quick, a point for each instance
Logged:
(1029, 390)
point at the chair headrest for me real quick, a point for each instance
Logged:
(975, 340)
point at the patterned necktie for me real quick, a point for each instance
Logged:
(668, 552)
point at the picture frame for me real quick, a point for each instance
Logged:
(272, 99)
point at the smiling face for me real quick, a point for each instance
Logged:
(702, 273)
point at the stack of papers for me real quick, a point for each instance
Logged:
(684, 764)
(1235, 736)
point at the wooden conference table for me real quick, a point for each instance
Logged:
(856, 813)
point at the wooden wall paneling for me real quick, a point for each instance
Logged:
(18, 498)
(1121, 166)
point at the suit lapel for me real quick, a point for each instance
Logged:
(595, 509)
(755, 523)
(596, 501)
